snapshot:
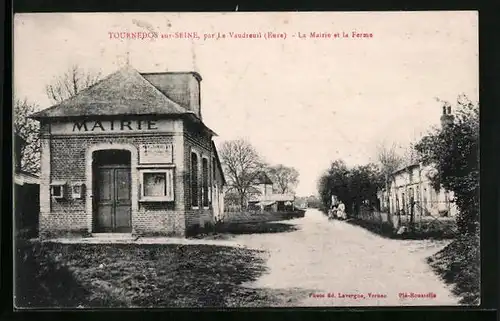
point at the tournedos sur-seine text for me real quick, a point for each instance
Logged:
(141, 35)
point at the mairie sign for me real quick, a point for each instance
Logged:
(117, 126)
(155, 154)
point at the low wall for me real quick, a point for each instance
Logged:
(424, 226)
(398, 220)
(379, 217)
(251, 217)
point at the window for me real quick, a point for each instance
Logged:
(77, 190)
(205, 173)
(213, 169)
(57, 189)
(403, 203)
(425, 209)
(157, 185)
(194, 180)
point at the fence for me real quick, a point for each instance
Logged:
(424, 225)
(258, 216)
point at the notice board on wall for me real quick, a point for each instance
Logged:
(155, 154)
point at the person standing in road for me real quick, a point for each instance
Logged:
(341, 211)
(333, 211)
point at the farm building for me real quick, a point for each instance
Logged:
(26, 193)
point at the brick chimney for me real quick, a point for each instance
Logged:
(181, 87)
(446, 118)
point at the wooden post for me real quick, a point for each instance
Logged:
(412, 213)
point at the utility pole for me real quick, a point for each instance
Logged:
(412, 213)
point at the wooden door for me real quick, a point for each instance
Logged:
(113, 204)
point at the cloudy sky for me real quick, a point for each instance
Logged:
(301, 102)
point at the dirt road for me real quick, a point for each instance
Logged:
(333, 263)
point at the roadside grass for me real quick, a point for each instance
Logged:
(42, 281)
(442, 230)
(459, 264)
(256, 228)
(229, 230)
(139, 275)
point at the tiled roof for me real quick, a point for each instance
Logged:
(23, 177)
(176, 86)
(262, 178)
(406, 167)
(125, 92)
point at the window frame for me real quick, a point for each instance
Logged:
(196, 179)
(61, 185)
(205, 194)
(169, 185)
(80, 186)
(61, 191)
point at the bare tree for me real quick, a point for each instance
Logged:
(410, 155)
(241, 164)
(28, 131)
(389, 161)
(67, 85)
(74, 80)
(285, 178)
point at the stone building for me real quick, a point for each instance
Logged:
(131, 155)
(410, 188)
(262, 185)
(25, 194)
(263, 197)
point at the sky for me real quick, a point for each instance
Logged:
(301, 102)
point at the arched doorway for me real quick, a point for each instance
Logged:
(111, 190)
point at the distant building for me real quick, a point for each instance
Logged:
(265, 199)
(301, 202)
(411, 186)
(262, 185)
(26, 194)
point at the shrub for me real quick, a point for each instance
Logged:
(458, 264)
(454, 150)
(42, 280)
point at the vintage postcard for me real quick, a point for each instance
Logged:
(298, 159)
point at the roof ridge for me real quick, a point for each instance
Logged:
(72, 97)
(194, 73)
(185, 109)
(125, 68)
(177, 105)
(127, 74)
